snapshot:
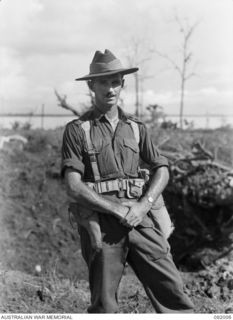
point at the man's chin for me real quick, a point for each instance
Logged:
(110, 104)
(105, 106)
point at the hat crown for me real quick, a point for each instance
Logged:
(105, 64)
(105, 57)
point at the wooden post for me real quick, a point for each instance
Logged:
(42, 116)
(137, 112)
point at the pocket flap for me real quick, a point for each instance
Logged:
(102, 144)
(132, 144)
(137, 182)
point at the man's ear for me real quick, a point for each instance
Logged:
(90, 84)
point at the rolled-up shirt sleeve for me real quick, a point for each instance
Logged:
(148, 150)
(72, 146)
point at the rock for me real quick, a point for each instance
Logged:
(212, 291)
(6, 139)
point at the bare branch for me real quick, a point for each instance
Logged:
(191, 30)
(64, 104)
(172, 62)
(188, 57)
(190, 75)
(177, 19)
(143, 60)
(139, 53)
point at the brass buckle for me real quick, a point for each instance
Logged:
(98, 187)
(121, 193)
(128, 189)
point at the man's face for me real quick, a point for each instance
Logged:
(107, 91)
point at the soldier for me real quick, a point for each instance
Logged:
(114, 202)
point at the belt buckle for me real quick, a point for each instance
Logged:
(121, 192)
(98, 187)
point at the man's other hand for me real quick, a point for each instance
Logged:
(137, 212)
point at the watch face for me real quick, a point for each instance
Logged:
(150, 199)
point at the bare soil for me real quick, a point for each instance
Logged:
(41, 268)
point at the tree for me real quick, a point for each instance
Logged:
(182, 69)
(63, 103)
(139, 51)
(157, 115)
(84, 106)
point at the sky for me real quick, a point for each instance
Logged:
(46, 44)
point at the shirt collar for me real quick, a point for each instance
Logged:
(122, 115)
(96, 115)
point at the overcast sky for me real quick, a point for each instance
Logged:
(46, 44)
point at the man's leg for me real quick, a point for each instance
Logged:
(89, 220)
(150, 258)
(105, 267)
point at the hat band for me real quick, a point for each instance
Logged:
(99, 67)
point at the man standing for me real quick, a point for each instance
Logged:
(100, 163)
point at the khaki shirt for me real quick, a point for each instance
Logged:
(117, 152)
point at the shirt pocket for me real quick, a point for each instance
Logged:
(105, 158)
(130, 156)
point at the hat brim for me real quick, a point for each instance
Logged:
(109, 73)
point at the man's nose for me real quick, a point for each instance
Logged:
(110, 88)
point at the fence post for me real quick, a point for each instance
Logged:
(42, 116)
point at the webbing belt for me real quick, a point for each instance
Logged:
(114, 185)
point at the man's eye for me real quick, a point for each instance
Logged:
(116, 83)
(102, 82)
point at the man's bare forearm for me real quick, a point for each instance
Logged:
(87, 197)
(158, 183)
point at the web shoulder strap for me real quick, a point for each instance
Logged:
(90, 150)
(135, 128)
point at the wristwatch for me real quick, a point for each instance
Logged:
(150, 199)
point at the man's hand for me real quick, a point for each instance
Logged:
(137, 211)
(86, 197)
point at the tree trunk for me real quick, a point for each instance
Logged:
(182, 103)
(137, 111)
